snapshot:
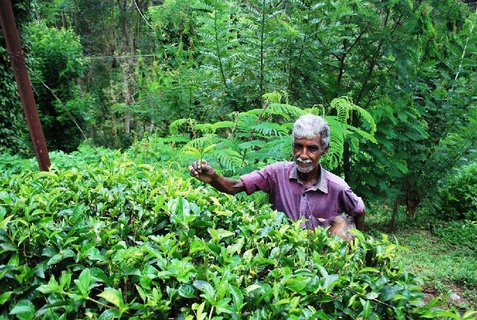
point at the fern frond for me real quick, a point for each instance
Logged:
(246, 120)
(363, 134)
(223, 125)
(273, 97)
(285, 110)
(192, 152)
(255, 112)
(228, 159)
(270, 129)
(362, 113)
(278, 148)
(342, 105)
(252, 144)
(204, 127)
(179, 124)
(334, 156)
(317, 109)
(202, 142)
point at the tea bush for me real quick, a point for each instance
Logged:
(118, 239)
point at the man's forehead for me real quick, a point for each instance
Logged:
(314, 140)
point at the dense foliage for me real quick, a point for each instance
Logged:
(120, 239)
(56, 67)
(113, 235)
(410, 64)
(13, 128)
(251, 139)
(458, 196)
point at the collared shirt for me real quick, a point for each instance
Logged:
(318, 204)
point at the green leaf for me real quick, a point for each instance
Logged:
(236, 247)
(63, 254)
(469, 314)
(24, 310)
(388, 292)
(112, 296)
(220, 233)
(204, 286)
(52, 286)
(14, 260)
(366, 308)
(5, 296)
(99, 275)
(4, 222)
(369, 269)
(297, 283)
(201, 315)
(252, 287)
(187, 291)
(237, 297)
(83, 282)
(372, 296)
(330, 281)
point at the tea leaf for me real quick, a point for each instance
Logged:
(4, 222)
(237, 297)
(388, 292)
(252, 287)
(24, 310)
(83, 282)
(5, 296)
(201, 315)
(204, 286)
(112, 296)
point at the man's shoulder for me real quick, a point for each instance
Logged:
(278, 166)
(335, 180)
(272, 169)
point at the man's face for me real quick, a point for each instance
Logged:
(307, 153)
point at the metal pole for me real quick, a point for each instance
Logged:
(15, 52)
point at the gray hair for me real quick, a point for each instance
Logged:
(309, 126)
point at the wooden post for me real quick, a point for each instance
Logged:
(15, 52)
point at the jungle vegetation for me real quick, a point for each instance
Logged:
(169, 81)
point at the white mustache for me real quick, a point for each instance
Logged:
(303, 161)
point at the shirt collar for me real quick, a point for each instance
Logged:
(319, 185)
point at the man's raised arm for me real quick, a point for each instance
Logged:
(205, 173)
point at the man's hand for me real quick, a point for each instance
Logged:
(340, 225)
(201, 170)
(205, 173)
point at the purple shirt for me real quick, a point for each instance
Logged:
(319, 204)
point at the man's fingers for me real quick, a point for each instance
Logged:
(201, 164)
(192, 171)
(198, 167)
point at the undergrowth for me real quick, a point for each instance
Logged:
(441, 253)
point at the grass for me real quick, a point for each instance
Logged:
(447, 270)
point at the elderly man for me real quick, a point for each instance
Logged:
(301, 189)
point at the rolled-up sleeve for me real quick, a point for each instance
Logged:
(256, 180)
(351, 203)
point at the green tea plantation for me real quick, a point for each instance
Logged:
(121, 240)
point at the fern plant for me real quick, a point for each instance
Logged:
(251, 139)
(342, 129)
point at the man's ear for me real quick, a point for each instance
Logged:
(325, 151)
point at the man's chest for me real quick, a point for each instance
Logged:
(298, 201)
